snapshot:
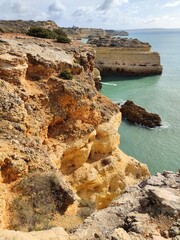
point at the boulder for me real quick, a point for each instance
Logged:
(138, 115)
(97, 79)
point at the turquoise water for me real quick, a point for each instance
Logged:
(158, 148)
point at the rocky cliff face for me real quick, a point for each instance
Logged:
(59, 155)
(125, 57)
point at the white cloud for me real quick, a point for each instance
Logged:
(19, 7)
(172, 4)
(82, 11)
(107, 4)
(111, 14)
(56, 8)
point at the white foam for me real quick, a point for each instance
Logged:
(165, 125)
(110, 84)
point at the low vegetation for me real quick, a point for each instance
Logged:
(37, 198)
(57, 34)
(66, 74)
(63, 39)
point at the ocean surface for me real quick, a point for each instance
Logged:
(158, 148)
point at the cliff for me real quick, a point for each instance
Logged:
(78, 33)
(59, 155)
(116, 33)
(20, 26)
(125, 57)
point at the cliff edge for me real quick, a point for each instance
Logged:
(59, 155)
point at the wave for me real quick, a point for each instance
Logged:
(119, 101)
(110, 84)
(165, 125)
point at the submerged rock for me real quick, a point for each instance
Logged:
(138, 115)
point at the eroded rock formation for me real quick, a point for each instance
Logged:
(150, 210)
(59, 155)
(147, 211)
(124, 56)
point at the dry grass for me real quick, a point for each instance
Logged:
(38, 198)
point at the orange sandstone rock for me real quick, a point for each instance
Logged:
(58, 138)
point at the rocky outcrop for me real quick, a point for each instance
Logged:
(124, 56)
(97, 79)
(150, 210)
(20, 26)
(138, 115)
(59, 154)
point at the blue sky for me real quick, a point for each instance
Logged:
(107, 14)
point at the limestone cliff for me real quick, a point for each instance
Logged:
(59, 155)
(125, 57)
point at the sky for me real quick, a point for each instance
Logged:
(106, 14)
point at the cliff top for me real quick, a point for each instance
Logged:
(118, 42)
(21, 26)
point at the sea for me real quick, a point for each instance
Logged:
(159, 148)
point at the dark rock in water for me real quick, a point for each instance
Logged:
(138, 115)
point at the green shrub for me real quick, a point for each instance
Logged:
(60, 32)
(63, 39)
(41, 33)
(66, 74)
